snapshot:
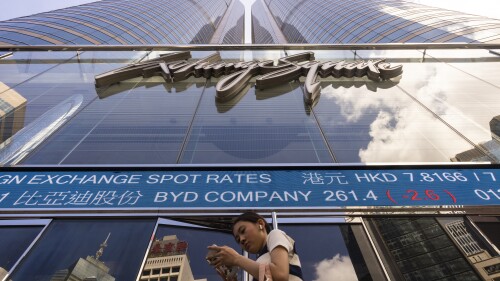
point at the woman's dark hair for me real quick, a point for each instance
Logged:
(254, 218)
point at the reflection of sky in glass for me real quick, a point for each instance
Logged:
(198, 240)
(14, 240)
(376, 122)
(138, 123)
(322, 251)
(257, 126)
(65, 241)
(463, 101)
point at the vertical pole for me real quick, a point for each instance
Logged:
(275, 221)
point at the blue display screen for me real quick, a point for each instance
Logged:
(278, 188)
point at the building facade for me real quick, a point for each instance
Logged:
(379, 160)
(376, 21)
(129, 22)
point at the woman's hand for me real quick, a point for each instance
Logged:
(224, 255)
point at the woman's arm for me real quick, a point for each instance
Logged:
(279, 264)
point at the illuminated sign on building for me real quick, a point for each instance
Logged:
(175, 67)
(261, 188)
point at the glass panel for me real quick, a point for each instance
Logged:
(256, 126)
(486, 71)
(426, 115)
(80, 249)
(24, 65)
(258, 132)
(37, 108)
(63, 83)
(428, 248)
(333, 252)
(448, 93)
(14, 240)
(366, 121)
(142, 123)
(179, 252)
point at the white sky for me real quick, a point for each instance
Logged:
(488, 8)
(21, 8)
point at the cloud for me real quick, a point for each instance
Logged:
(338, 268)
(401, 129)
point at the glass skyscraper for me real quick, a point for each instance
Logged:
(141, 129)
(115, 22)
(372, 21)
(138, 22)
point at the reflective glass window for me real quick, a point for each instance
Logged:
(23, 38)
(45, 30)
(132, 123)
(434, 248)
(42, 105)
(334, 251)
(454, 89)
(179, 251)
(24, 65)
(257, 126)
(14, 241)
(353, 117)
(80, 249)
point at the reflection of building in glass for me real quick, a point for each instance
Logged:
(487, 266)
(264, 28)
(88, 269)
(12, 109)
(168, 261)
(231, 26)
(420, 249)
(486, 151)
(32, 135)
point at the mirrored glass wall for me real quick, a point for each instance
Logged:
(175, 248)
(443, 107)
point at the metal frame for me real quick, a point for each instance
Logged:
(223, 47)
(5, 55)
(383, 265)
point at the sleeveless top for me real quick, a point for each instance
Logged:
(279, 238)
